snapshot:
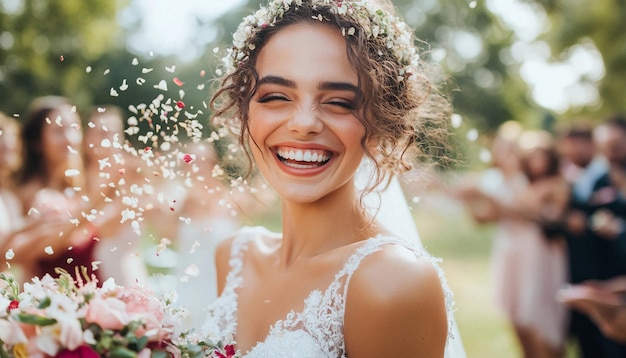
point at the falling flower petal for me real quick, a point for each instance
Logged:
(178, 82)
(124, 85)
(187, 158)
(192, 270)
(48, 250)
(72, 173)
(161, 86)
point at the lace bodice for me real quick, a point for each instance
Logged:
(317, 330)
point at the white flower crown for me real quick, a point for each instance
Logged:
(386, 30)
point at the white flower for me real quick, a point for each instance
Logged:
(11, 333)
(70, 332)
(46, 341)
(4, 306)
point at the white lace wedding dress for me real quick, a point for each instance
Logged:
(316, 331)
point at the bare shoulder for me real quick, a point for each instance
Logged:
(395, 306)
(260, 240)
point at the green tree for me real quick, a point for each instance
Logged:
(46, 47)
(602, 22)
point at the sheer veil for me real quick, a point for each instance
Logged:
(388, 205)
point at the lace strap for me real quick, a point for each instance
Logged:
(238, 248)
(221, 323)
(375, 244)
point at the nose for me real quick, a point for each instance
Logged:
(305, 121)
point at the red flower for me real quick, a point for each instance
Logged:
(13, 305)
(229, 351)
(187, 158)
(180, 104)
(80, 352)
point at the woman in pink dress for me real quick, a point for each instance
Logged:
(50, 191)
(524, 193)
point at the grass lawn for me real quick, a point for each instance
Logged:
(465, 249)
(447, 232)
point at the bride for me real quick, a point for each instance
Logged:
(315, 88)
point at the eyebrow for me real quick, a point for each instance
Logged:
(339, 86)
(336, 86)
(277, 81)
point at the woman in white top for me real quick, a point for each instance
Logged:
(314, 87)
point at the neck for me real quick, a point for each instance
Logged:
(310, 229)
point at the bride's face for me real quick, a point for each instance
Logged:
(304, 135)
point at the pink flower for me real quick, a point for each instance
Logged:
(83, 351)
(108, 313)
(142, 305)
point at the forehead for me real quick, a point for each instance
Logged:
(307, 52)
(65, 115)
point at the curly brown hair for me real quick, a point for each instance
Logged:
(402, 112)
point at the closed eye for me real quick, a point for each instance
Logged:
(272, 97)
(344, 104)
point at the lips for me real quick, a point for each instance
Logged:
(303, 158)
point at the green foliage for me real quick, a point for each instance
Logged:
(602, 22)
(48, 44)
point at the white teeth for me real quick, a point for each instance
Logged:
(303, 155)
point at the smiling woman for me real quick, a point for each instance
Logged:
(304, 107)
(316, 88)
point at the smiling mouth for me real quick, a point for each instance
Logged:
(303, 158)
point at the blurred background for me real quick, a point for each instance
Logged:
(536, 62)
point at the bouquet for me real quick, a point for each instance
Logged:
(74, 317)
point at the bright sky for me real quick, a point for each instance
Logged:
(555, 85)
(168, 28)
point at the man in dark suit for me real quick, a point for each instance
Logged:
(597, 234)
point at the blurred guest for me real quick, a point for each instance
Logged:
(604, 302)
(596, 236)
(580, 164)
(10, 158)
(529, 256)
(608, 200)
(582, 168)
(51, 180)
(110, 174)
